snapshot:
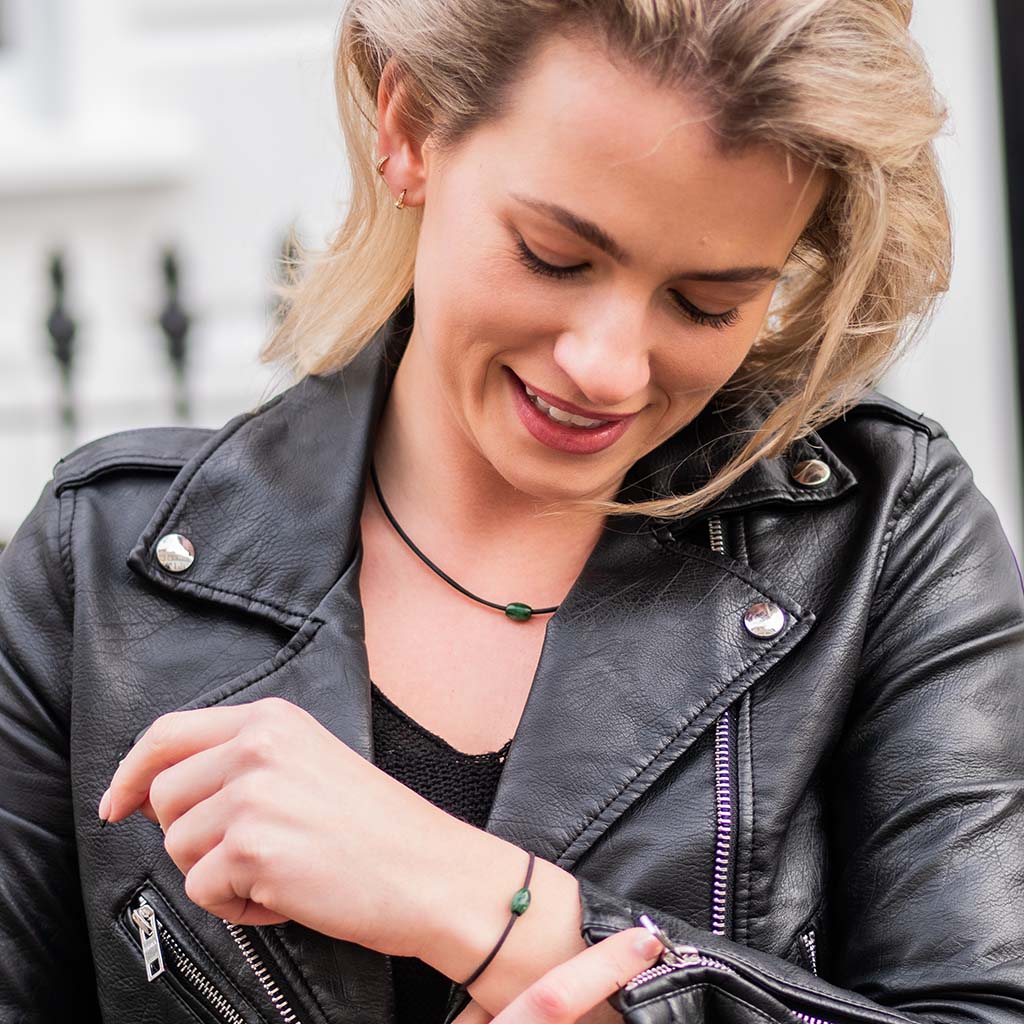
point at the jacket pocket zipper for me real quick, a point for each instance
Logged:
(164, 955)
(809, 942)
(689, 957)
(157, 942)
(723, 787)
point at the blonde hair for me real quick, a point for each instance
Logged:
(839, 83)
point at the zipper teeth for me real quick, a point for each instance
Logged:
(723, 816)
(723, 789)
(807, 1018)
(812, 949)
(244, 943)
(191, 973)
(717, 535)
(658, 970)
(661, 969)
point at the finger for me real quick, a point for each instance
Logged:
(169, 739)
(570, 989)
(197, 831)
(474, 1013)
(209, 884)
(189, 782)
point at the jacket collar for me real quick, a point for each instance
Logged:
(271, 501)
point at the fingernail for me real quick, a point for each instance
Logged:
(104, 810)
(648, 946)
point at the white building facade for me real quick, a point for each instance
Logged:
(208, 127)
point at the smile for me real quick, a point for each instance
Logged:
(560, 415)
(562, 429)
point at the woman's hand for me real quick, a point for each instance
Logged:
(570, 990)
(271, 818)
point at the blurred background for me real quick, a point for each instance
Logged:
(154, 155)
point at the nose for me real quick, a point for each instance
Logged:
(608, 363)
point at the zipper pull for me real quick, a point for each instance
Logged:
(673, 954)
(145, 920)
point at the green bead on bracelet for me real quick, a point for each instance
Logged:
(520, 901)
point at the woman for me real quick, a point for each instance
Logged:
(581, 575)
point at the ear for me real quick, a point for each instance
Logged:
(406, 167)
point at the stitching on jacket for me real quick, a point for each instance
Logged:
(895, 517)
(273, 665)
(187, 586)
(122, 460)
(753, 818)
(67, 562)
(745, 710)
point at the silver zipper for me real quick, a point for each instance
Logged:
(252, 958)
(811, 945)
(155, 939)
(723, 788)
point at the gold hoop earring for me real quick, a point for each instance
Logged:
(381, 162)
(400, 201)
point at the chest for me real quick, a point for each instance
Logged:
(460, 669)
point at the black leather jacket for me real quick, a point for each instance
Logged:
(830, 807)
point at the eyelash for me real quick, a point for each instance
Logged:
(533, 262)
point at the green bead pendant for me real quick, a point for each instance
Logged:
(520, 901)
(518, 611)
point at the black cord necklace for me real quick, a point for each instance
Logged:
(516, 610)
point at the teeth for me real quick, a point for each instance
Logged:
(560, 415)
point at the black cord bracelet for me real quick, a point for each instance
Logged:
(520, 901)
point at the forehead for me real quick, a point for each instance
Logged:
(641, 159)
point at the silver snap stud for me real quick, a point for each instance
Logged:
(175, 552)
(811, 472)
(765, 618)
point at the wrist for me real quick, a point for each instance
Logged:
(484, 874)
(471, 904)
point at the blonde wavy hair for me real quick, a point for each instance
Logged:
(840, 83)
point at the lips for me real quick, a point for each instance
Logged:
(565, 437)
(577, 410)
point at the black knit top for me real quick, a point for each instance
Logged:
(461, 784)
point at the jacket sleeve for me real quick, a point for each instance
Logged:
(925, 917)
(46, 971)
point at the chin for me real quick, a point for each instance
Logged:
(550, 485)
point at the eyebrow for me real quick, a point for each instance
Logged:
(598, 237)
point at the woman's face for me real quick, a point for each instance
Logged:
(593, 246)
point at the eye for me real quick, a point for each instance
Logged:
(538, 266)
(716, 320)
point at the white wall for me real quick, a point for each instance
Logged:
(964, 373)
(206, 124)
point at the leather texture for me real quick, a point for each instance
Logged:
(856, 781)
